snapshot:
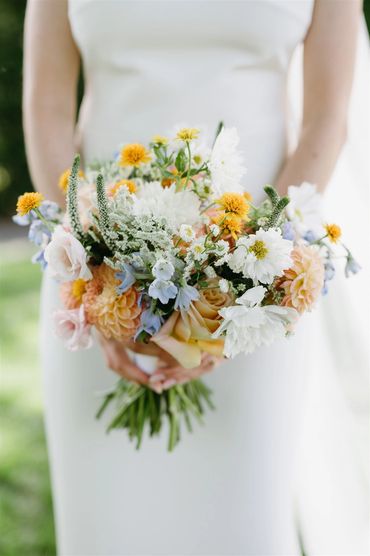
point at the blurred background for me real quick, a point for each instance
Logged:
(26, 516)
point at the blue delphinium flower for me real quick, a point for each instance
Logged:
(37, 232)
(288, 231)
(163, 270)
(164, 290)
(185, 296)
(49, 210)
(24, 220)
(352, 266)
(40, 259)
(149, 322)
(329, 275)
(127, 278)
(309, 236)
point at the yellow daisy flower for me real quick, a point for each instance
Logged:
(78, 289)
(187, 134)
(160, 140)
(230, 224)
(28, 202)
(333, 232)
(129, 184)
(234, 203)
(64, 177)
(134, 155)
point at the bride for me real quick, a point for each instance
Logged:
(230, 487)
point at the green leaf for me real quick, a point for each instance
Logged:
(181, 160)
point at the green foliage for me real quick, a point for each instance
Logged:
(26, 516)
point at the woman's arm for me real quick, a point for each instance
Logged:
(51, 69)
(329, 57)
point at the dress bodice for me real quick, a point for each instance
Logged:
(150, 64)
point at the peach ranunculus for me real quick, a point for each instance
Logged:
(66, 257)
(187, 334)
(70, 325)
(114, 315)
(303, 282)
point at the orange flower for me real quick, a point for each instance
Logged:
(113, 188)
(134, 155)
(303, 282)
(187, 334)
(234, 203)
(115, 316)
(333, 232)
(28, 202)
(63, 180)
(230, 224)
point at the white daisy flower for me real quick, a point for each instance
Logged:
(186, 233)
(247, 326)
(262, 256)
(197, 249)
(226, 163)
(304, 209)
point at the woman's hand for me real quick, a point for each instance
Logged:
(118, 361)
(165, 377)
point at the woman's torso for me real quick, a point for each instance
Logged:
(149, 65)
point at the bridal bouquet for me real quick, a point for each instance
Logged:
(162, 245)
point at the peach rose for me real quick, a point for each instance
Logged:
(70, 325)
(187, 334)
(66, 257)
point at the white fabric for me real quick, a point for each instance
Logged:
(229, 488)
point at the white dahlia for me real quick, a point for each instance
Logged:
(226, 163)
(262, 256)
(177, 207)
(247, 326)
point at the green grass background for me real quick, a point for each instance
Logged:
(26, 517)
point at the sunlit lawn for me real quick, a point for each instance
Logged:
(26, 520)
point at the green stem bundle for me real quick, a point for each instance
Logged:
(138, 408)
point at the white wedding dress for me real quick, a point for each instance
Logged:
(230, 488)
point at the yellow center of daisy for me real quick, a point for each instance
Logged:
(234, 203)
(78, 289)
(160, 140)
(259, 249)
(64, 178)
(134, 155)
(28, 202)
(129, 184)
(187, 134)
(333, 232)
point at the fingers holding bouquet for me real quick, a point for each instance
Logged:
(167, 376)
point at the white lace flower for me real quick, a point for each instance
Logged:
(226, 164)
(177, 207)
(262, 256)
(304, 209)
(247, 326)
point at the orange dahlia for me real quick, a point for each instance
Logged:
(303, 282)
(115, 316)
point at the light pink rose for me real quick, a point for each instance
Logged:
(66, 257)
(70, 325)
